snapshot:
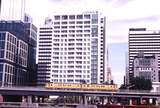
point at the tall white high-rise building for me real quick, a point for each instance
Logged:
(12, 10)
(72, 49)
(142, 41)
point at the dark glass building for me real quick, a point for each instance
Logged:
(18, 42)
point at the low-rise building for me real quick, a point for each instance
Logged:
(147, 67)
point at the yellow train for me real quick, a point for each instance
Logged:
(69, 86)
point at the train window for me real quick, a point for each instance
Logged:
(46, 85)
(50, 84)
(111, 87)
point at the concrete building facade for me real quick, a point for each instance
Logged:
(12, 10)
(147, 67)
(72, 48)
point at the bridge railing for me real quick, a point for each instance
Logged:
(142, 91)
(32, 105)
(40, 88)
(138, 91)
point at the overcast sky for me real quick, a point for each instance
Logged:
(120, 16)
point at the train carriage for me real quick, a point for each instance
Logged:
(70, 86)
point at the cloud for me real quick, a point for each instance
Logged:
(118, 29)
(120, 14)
(152, 18)
(120, 3)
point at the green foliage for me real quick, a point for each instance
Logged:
(107, 83)
(123, 86)
(112, 82)
(138, 83)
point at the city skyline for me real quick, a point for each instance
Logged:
(80, 53)
(120, 16)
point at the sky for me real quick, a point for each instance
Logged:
(120, 16)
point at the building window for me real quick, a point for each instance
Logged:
(2, 36)
(79, 17)
(72, 22)
(1, 67)
(2, 54)
(94, 18)
(57, 17)
(65, 17)
(86, 22)
(56, 23)
(64, 22)
(72, 17)
(86, 16)
(79, 22)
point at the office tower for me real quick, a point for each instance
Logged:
(17, 53)
(142, 41)
(72, 49)
(12, 10)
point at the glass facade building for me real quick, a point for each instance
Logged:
(17, 53)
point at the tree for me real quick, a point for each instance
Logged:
(138, 83)
(112, 82)
(108, 83)
(123, 86)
